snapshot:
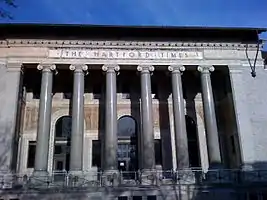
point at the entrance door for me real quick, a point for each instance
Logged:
(127, 156)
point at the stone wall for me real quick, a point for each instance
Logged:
(9, 89)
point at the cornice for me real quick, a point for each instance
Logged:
(124, 44)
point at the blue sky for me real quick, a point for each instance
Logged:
(237, 13)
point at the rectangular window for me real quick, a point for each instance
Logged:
(151, 197)
(96, 153)
(58, 149)
(31, 154)
(158, 152)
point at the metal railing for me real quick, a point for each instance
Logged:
(130, 179)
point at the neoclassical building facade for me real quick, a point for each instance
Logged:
(91, 99)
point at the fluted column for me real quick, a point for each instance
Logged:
(181, 143)
(147, 139)
(110, 135)
(44, 119)
(210, 117)
(77, 129)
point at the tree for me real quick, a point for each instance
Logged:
(4, 6)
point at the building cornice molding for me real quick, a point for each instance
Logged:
(125, 44)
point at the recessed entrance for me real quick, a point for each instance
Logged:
(193, 147)
(62, 144)
(127, 144)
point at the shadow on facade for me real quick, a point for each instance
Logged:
(165, 133)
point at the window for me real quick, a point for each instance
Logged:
(31, 154)
(158, 152)
(96, 153)
(126, 127)
(63, 127)
(152, 197)
(58, 149)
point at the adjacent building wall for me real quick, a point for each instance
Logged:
(9, 90)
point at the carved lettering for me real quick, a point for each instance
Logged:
(125, 54)
(96, 54)
(74, 54)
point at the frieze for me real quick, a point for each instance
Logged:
(124, 54)
(125, 44)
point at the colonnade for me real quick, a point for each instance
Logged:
(110, 135)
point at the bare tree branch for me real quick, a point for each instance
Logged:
(4, 13)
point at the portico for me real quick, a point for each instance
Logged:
(109, 139)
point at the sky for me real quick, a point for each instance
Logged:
(218, 13)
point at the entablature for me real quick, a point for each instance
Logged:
(126, 44)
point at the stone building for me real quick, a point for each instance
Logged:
(86, 107)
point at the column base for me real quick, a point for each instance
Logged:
(76, 178)
(8, 179)
(247, 167)
(110, 178)
(148, 177)
(40, 179)
(217, 174)
(186, 176)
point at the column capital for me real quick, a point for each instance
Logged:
(78, 68)
(46, 67)
(145, 68)
(176, 68)
(205, 69)
(111, 68)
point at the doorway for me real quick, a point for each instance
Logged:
(127, 145)
(193, 146)
(61, 161)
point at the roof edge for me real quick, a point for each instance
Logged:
(225, 28)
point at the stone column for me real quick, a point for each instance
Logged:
(210, 117)
(110, 136)
(44, 120)
(147, 142)
(77, 128)
(182, 154)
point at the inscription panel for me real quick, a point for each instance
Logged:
(125, 54)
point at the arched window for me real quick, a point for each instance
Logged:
(126, 127)
(63, 127)
(193, 146)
